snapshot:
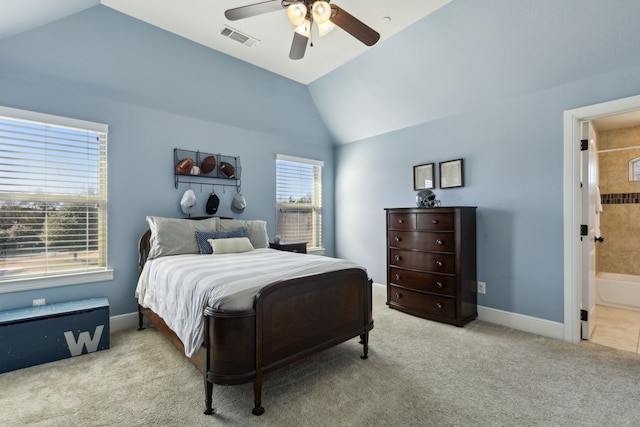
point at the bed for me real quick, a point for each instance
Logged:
(239, 314)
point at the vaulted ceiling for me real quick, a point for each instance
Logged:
(269, 36)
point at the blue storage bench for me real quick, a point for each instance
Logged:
(33, 335)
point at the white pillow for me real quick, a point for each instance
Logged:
(256, 229)
(232, 245)
(174, 236)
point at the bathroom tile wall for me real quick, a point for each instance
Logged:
(620, 218)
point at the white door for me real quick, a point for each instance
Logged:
(589, 180)
(572, 207)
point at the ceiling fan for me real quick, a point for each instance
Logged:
(303, 14)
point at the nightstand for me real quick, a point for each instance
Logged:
(300, 247)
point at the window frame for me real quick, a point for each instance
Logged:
(315, 205)
(633, 163)
(68, 278)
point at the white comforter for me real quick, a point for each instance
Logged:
(179, 287)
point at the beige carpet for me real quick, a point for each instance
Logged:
(419, 373)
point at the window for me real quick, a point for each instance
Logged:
(634, 169)
(299, 200)
(53, 201)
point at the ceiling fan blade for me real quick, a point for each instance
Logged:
(253, 10)
(353, 26)
(298, 46)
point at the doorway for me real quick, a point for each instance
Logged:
(574, 285)
(614, 213)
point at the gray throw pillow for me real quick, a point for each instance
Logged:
(202, 238)
(172, 236)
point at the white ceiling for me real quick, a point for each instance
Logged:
(202, 21)
(618, 121)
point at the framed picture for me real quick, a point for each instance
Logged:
(423, 176)
(451, 174)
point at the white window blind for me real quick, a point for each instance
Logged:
(53, 196)
(299, 200)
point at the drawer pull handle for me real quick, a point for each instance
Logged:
(439, 263)
(440, 242)
(397, 277)
(434, 221)
(398, 257)
(401, 221)
(397, 238)
(439, 285)
(439, 305)
(398, 295)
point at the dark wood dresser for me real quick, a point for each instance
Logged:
(431, 263)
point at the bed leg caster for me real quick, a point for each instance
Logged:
(364, 340)
(257, 395)
(208, 398)
(140, 321)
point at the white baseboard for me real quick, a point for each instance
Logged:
(521, 322)
(123, 322)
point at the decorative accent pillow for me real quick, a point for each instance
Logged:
(202, 238)
(232, 245)
(174, 236)
(256, 229)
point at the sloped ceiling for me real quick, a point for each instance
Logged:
(202, 21)
(17, 16)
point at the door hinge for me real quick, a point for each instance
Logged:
(584, 315)
(584, 144)
(584, 230)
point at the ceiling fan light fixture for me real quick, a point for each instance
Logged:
(296, 13)
(304, 29)
(326, 28)
(302, 14)
(321, 12)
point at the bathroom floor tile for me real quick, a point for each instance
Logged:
(616, 337)
(616, 316)
(617, 328)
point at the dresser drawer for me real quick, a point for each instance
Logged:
(424, 241)
(434, 283)
(435, 221)
(424, 303)
(402, 221)
(424, 261)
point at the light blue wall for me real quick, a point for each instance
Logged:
(156, 92)
(487, 81)
(484, 80)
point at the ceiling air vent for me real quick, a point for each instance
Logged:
(238, 36)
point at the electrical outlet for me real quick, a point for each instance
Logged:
(482, 288)
(40, 301)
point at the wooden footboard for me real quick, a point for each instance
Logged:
(292, 319)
